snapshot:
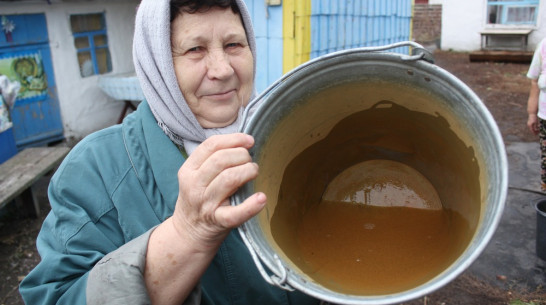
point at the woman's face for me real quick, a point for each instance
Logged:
(213, 64)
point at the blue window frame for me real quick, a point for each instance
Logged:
(91, 41)
(514, 12)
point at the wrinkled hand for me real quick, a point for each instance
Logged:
(532, 123)
(212, 173)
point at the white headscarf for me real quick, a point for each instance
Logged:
(155, 70)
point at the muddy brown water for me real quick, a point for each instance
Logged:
(362, 249)
(372, 250)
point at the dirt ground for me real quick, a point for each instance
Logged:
(502, 86)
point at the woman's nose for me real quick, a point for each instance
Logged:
(219, 65)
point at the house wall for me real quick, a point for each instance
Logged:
(463, 20)
(339, 24)
(461, 23)
(540, 31)
(84, 107)
(267, 22)
(313, 28)
(303, 29)
(427, 24)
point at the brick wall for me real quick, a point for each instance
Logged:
(427, 23)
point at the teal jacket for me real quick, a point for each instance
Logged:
(114, 186)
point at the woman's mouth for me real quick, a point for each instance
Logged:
(221, 95)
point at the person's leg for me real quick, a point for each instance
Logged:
(542, 136)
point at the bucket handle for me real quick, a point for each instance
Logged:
(276, 279)
(418, 52)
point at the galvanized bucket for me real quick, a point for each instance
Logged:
(540, 207)
(301, 110)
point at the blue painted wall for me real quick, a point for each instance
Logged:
(268, 30)
(343, 24)
(335, 25)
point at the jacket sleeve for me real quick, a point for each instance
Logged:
(73, 236)
(82, 260)
(118, 278)
(83, 241)
(81, 228)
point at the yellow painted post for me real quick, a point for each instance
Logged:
(296, 33)
(410, 49)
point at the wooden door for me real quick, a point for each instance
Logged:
(25, 57)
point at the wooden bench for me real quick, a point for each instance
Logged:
(19, 173)
(520, 36)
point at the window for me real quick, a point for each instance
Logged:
(512, 12)
(91, 43)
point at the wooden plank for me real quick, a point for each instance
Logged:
(517, 32)
(501, 56)
(22, 170)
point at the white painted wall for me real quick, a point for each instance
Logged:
(84, 107)
(540, 31)
(462, 21)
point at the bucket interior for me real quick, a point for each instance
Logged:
(541, 208)
(378, 111)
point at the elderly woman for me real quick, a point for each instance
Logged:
(134, 220)
(536, 104)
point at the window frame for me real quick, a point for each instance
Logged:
(92, 48)
(506, 6)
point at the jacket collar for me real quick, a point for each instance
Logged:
(154, 158)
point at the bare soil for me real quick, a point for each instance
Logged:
(503, 87)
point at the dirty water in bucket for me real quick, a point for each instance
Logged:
(383, 183)
(353, 247)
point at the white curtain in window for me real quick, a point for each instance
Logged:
(512, 12)
(520, 14)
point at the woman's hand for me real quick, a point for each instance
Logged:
(181, 248)
(532, 107)
(212, 173)
(532, 123)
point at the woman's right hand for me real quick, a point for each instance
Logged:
(181, 248)
(532, 124)
(211, 174)
(532, 107)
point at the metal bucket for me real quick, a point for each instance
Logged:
(358, 105)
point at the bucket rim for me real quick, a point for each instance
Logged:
(459, 265)
(538, 202)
